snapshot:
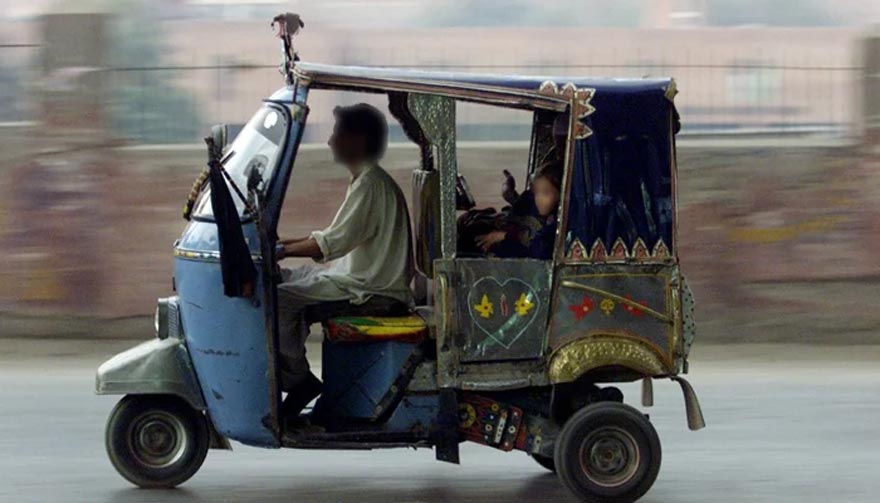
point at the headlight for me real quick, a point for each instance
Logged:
(161, 319)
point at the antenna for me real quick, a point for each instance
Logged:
(288, 26)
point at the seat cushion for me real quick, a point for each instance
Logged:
(410, 328)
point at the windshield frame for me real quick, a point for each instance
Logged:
(246, 216)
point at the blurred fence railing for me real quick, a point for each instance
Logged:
(175, 104)
(713, 99)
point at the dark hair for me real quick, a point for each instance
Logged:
(552, 172)
(367, 122)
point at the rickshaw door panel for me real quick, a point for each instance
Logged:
(500, 308)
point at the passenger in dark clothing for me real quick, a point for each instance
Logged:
(525, 229)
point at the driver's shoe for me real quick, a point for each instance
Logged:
(300, 396)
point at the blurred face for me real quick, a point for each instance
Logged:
(347, 148)
(546, 196)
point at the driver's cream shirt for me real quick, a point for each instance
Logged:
(368, 242)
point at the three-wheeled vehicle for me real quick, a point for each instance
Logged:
(516, 354)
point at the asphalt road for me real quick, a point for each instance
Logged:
(785, 424)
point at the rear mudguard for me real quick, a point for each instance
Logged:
(156, 367)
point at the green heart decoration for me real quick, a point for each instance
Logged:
(503, 310)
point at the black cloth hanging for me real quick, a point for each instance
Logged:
(236, 264)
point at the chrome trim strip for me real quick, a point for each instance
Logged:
(206, 256)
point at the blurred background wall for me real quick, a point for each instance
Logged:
(102, 105)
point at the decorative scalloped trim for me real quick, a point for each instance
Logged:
(660, 250)
(671, 90)
(640, 250)
(619, 251)
(577, 250)
(548, 87)
(580, 99)
(597, 251)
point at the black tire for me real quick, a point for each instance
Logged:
(608, 453)
(545, 461)
(156, 441)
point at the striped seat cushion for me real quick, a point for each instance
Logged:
(410, 328)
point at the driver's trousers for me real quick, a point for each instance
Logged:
(297, 311)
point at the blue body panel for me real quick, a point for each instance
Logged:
(416, 413)
(358, 375)
(226, 339)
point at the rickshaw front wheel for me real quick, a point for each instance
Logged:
(156, 441)
(608, 452)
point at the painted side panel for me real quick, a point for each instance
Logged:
(226, 338)
(503, 307)
(628, 302)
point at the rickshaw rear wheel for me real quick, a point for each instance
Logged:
(545, 461)
(608, 452)
(156, 441)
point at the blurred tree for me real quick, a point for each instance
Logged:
(145, 105)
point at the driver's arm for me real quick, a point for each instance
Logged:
(305, 247)
(294, 240)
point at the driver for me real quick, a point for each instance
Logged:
(367, 245)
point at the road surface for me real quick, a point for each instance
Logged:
(785, 424)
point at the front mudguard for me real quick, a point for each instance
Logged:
(155, 367)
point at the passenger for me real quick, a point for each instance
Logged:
(525, 229)
(368, 242)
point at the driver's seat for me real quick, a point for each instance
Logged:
(410, 328)
(367, 360)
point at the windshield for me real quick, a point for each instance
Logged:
(256, 147)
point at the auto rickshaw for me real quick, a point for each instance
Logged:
(515, 354)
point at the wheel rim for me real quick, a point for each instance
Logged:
(157, 439)
(609, 456)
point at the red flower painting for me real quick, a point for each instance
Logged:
(582, 309)
(634, 310)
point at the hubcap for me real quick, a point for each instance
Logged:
(157, 439)
(609, 456)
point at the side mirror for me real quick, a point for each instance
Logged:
(254, 178)
(220, 135)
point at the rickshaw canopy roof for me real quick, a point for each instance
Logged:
(506, 90)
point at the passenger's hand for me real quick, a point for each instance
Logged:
(508, 187)
(279, 251)
(486, 241)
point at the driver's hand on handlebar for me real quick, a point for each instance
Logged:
(508, 187)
